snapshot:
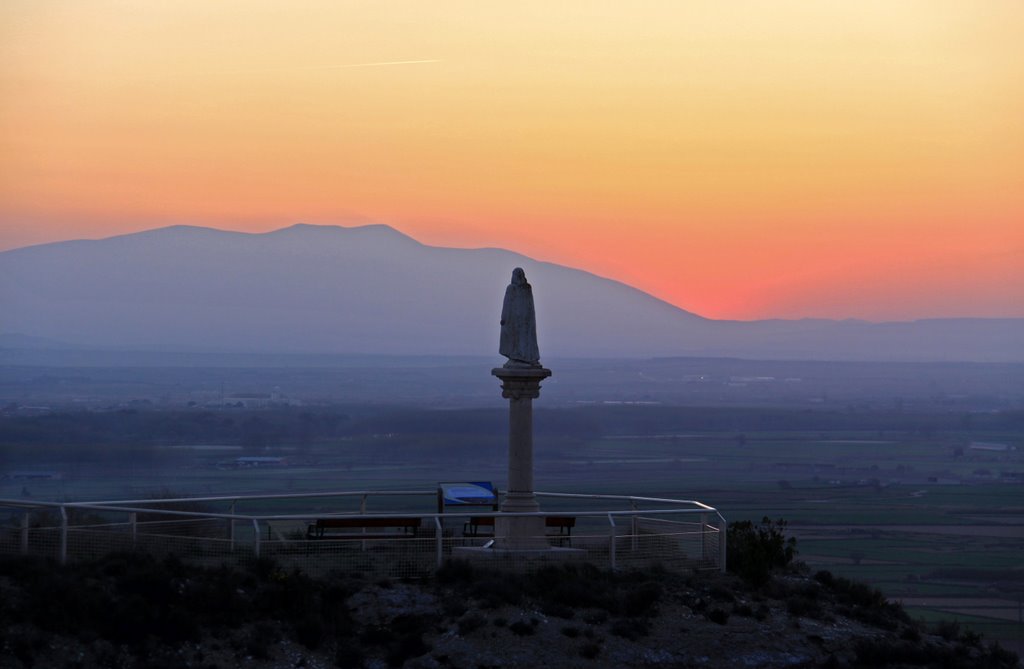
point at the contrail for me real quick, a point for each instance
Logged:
(389, 62)
(292, 68)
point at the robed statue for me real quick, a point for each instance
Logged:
(519, 324)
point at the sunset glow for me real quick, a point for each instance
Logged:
(740, 160)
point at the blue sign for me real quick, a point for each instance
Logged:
(475, 493)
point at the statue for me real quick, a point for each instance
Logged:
(519, 324)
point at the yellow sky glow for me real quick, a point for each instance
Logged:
(741, 160)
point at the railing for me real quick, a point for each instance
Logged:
(613, 531)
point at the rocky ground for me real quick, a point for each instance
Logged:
(137, 611)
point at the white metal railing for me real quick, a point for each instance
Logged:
(668, 531)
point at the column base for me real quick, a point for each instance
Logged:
(520, 532)
(523, 559)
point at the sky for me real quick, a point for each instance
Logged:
(741, 160)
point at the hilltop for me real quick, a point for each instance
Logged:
(373, 290)
(134, 610)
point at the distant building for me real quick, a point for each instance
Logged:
(941, 480)
(35, 476)
(256, 400)
(991, 446)
(33, 410)
(260, 461)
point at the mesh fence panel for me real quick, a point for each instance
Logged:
(627, 541)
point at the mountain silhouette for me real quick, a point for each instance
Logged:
(371, 289)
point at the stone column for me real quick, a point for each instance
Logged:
(520, 386)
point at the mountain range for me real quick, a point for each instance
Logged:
(373, 290)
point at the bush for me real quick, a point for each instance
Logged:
(309, 631)
(716, 615)
(630, 628)
(521, 628)
(756, 550)
(558, 610)
(409, 646)
(743, 610)
(801, 606)
(471, 622)
(948, 629)
(455, 571)
(348, 655)
(642, 600)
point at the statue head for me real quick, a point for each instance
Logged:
(518, 277)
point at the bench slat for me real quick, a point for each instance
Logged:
(317, 531)
(564, 524)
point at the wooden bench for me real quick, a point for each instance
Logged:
(563, 524)
(355, 528)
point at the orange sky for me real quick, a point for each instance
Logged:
(739, 159)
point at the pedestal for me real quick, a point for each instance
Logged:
(520, 386)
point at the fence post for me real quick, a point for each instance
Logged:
(722, 542)
(438, 541)
(231, 528)
(256, 537)
(611, 540)
(133, 522)
(633, 525)
(24, 531)
(63, 535)
(703, 531)
(362, 511)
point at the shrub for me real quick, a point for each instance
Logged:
(558, 610)
(641, 601)
(716, 615)
(455, 571)
(721, 594)
(911, 633)
(803, 606)
(348, 655)
(762, 613)
(495, 592)
(259, 639)
(630, 628)
(409, 646)
(743, 610)
(1000, 657)
(948, 629)
(521, 628)
(453, 607)
(471, 622)
(309, 630)
(755, 550)
(825, 578)
(590, 650)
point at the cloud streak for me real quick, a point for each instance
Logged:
(293, 68)
(389, 62)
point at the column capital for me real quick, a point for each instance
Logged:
(520, 383)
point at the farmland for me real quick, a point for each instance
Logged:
(899, 500)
